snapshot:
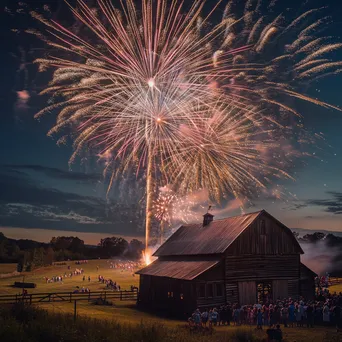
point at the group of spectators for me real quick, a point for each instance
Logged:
(82, 290)
(288, 312)
(80, 262)
(125, 265)
(60, 278)
(110, 284)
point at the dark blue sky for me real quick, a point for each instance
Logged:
(38, 189)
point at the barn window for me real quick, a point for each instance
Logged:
(219, 290)
(262, 227)
(202, 290)
(210, 290)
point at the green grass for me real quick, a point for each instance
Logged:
(126, 312)
(29, 324)
(124, 278)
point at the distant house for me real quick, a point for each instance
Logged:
(243, 259)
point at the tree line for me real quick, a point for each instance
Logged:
(31, 254)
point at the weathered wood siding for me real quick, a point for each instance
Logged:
(280, 289)
(264, 236)
(247, 292)
(172, 295)
(307, 288)
(262, 267)
(293, 288)
(232, 292)
(215, 273)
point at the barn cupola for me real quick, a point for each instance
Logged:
(207, 218)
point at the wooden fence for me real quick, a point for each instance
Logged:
(334, 281)
(33, 298)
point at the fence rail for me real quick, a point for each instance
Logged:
(69, 297)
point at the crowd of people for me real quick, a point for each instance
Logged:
(324, 310)
(110, 284)
(60, 278)
(80, 262)
(125, 265)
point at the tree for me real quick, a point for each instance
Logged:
(71, 243)
(49, 256)
(113, 246)
(135, 249)
(76, 245)
(313, 238)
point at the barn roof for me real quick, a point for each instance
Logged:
(186, 270)
(214, 238)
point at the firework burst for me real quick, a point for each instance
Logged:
(155, 85)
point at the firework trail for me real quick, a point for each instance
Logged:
(157, 86)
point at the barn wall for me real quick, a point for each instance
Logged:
(307, 288)
(171, 295)
(280, 289)
(262, 267)
(307, 282)
(267, 237)
(213, 283)
(215, 273)
(247, 292)
(232, 292)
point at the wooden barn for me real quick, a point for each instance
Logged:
(243, 259)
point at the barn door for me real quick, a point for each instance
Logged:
(280, 289)
(247, 292)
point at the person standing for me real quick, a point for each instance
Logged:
(204, 317)
(310, 316)
(284, 312)
(259, 319)
(291, 311)
(326, 314)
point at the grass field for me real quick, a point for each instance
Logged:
(126, 312)
(7, 268)
(336, 288)
(124, 278)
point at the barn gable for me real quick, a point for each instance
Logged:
(265, 235)
(238, 234)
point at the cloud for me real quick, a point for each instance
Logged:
(332, 205)
(24, 203)
(296, 206)
(48, 213)
(56, 173)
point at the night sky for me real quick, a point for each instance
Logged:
(38, 189)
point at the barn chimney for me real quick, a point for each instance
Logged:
(207, 218)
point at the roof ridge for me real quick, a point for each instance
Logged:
(225, 218)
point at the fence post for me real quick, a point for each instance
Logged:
(105, 295)
(120, 295)
(75, 310)
(89, 297)
(70, 296)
